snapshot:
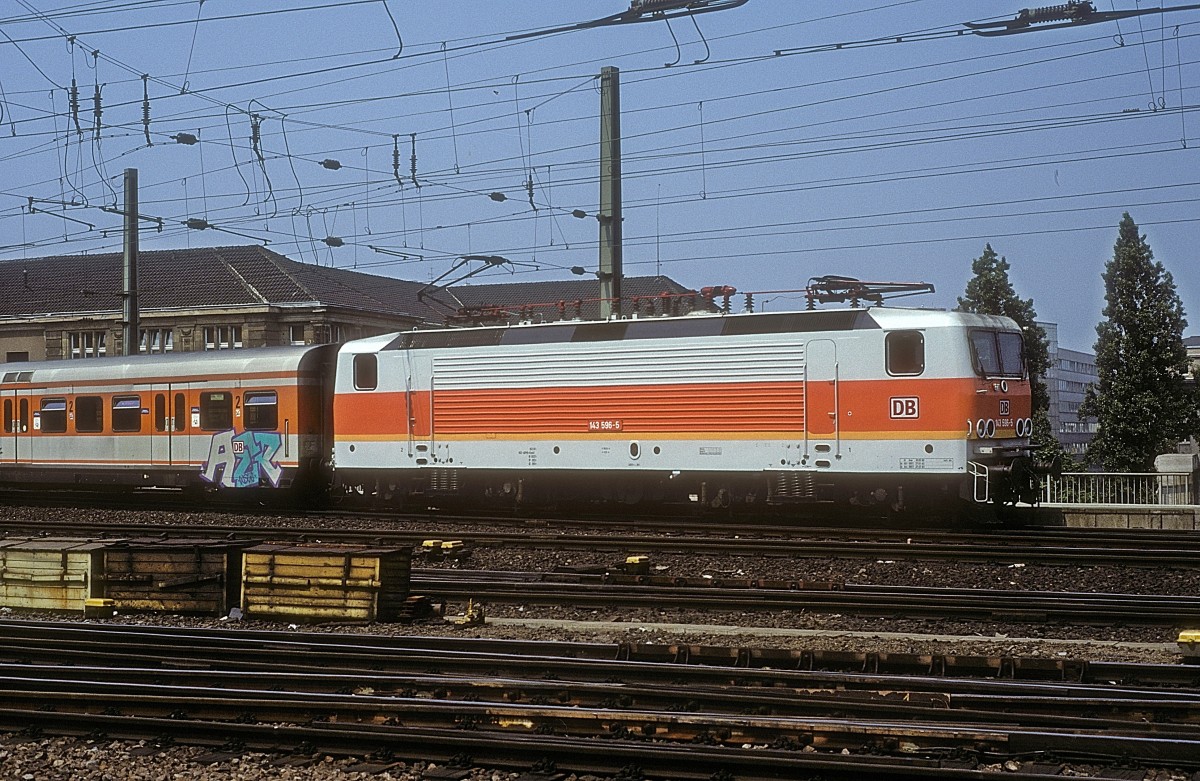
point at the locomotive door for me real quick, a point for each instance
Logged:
(821, 393)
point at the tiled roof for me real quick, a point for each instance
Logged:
(576, 298)
(201, 278)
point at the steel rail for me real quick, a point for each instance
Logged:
(1181, 551)
(584, 591)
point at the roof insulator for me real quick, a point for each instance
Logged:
(579, 214)
(334, 241)
(197, 223)
(331, 164)
(498, 197)
(185, 138)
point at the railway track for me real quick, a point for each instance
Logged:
(594, 707)
(1088, 547)
(599, 592)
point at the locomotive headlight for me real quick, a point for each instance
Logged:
(980, 428)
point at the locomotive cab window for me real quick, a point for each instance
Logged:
(89, 414)
(54, 416)
(366, 371)
(127, 413)
(262, 410)
(998, 353)
(905, 352)
(216, 411)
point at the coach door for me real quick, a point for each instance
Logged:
(18, 425)
(168, 424)
(821, 400)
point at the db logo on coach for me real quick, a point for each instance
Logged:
(905, 407)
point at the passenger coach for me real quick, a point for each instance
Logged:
(223, 420)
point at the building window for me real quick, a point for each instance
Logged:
(156, 340)
(222, 337)
(16, 356)
(327, 333)
(216, 411)
(296, 333)
(87, 344)
(262, 410)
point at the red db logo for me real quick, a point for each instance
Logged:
(905, 407)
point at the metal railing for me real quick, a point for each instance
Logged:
(1126, 488)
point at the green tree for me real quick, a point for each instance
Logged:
(1141, 401)
(990, 292)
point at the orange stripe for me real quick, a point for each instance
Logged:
(708, 408)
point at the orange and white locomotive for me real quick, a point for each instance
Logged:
(870, 407)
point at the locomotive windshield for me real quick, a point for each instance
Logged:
(998, 353)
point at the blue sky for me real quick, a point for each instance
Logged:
(790, 150)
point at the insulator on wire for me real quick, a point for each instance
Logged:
(529, 190)
(396, 160)
(413, 161)
(331, 164)
(96, 109)
(74, 99)
(146, 107)
(187, 139)
(256, 136)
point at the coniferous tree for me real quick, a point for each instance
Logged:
(991, 293)
(1141, 402)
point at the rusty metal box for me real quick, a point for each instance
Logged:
(325, 582)
(50, 573)
(197, 576)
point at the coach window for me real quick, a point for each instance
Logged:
(127, 413)
(366, 371)
(905, 352)
(181, 416)
(89, 414)
(54, 416)
(9, 423)
(216, 411)
(23, 421)
(160, 412)
(262, 410)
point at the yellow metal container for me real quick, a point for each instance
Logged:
(325, 582)
(195, 576)
(50, 573)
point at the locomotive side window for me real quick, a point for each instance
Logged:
(262, 410)
(89, 414)
(54, 416)
(998, 354)
(127, 413)
(216, 411)
(366, 371)
(181, 418)
(905, 352)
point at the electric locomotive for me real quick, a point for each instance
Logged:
(879, 408)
